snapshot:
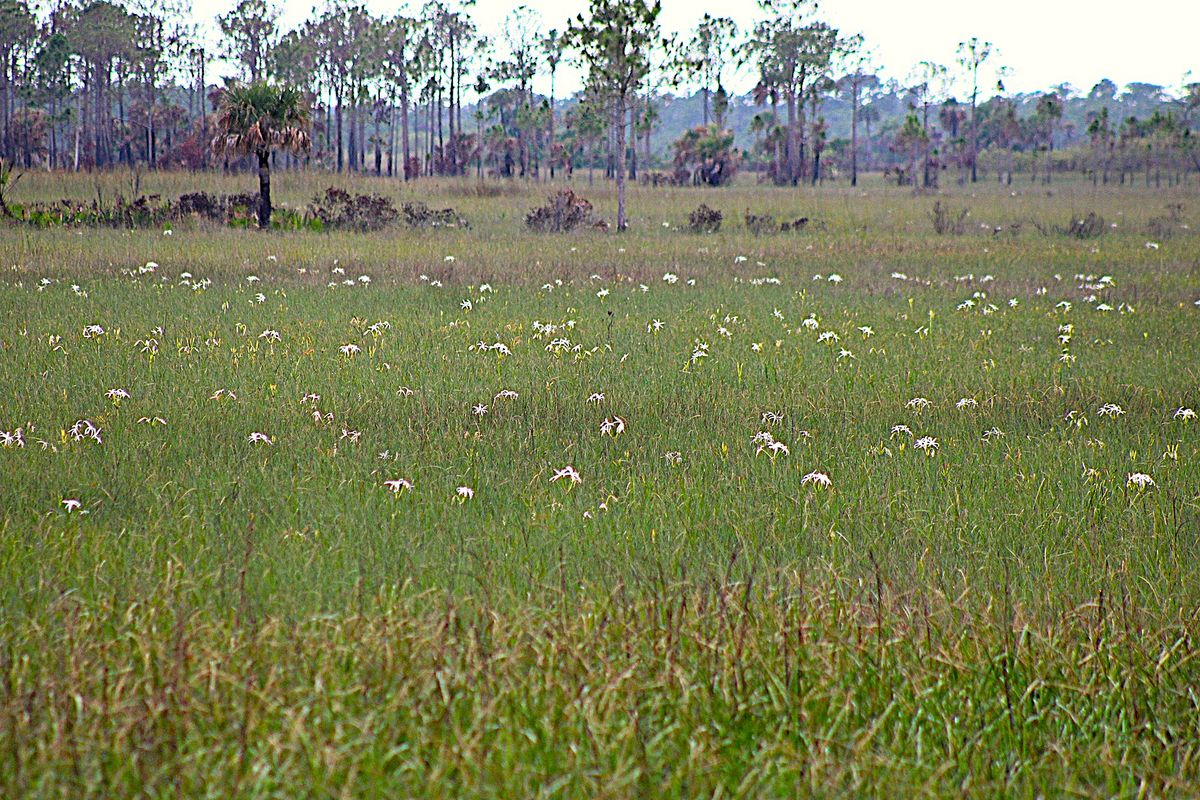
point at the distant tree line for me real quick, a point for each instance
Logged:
(93, 85)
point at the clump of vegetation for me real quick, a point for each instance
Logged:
(1089, 227)
(144, 211)
(563, 212)
(705, 156)
(418, 214)
(216, 207)
(705, 220)
(948, 222)
(337, 209)
(1167, 225)
(758, 224)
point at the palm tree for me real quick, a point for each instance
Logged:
(256, 118)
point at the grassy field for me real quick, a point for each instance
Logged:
(861, 510)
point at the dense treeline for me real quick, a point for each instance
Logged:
(131, 82)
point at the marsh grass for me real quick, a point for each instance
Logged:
(1007, 616)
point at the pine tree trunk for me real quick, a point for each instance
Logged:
(854, 137)
(620, 164)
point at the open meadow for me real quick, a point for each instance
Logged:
(859, 510)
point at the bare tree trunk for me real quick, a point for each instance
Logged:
(404, 133)
(792, 148)
(854, 134)
(620, 165)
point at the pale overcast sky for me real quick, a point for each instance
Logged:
(1042, 42)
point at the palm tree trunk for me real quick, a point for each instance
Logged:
(264, 188)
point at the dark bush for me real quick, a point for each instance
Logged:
(760, 223)
(419, 215)
(705, 220)
(564, 211)
(222, 208)
(337, 209)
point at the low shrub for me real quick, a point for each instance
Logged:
(705, 220)
(564, 211)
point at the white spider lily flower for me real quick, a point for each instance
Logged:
(353, 436)
(927, 443)
(85, 429)
(817, 479)
(918, 404)
(397, 485)
(222, 393)
(834, 278)
(93, 331)
(596, 398)
(1110, 410)
(464, 493)
(479, 409)
(1184, 414)
(777, 447)
(466, 305)
(151, 421)
(270, 335)
(71, 504)
(771, 418)
(404, 391)
(117, 395)
(12, 438)
(350, 350)
(259, 438)
(966, 402)
(670, 278)
(603, 293)
(993, 433)
(613, 426)
(505, 394)
(1139, 480)
(866, 330)
(810, 322)
(843, 353)
(259, 298)
(567, 473)
(673, 457)
(897, 430)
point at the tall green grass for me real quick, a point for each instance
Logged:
(1007, 615)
